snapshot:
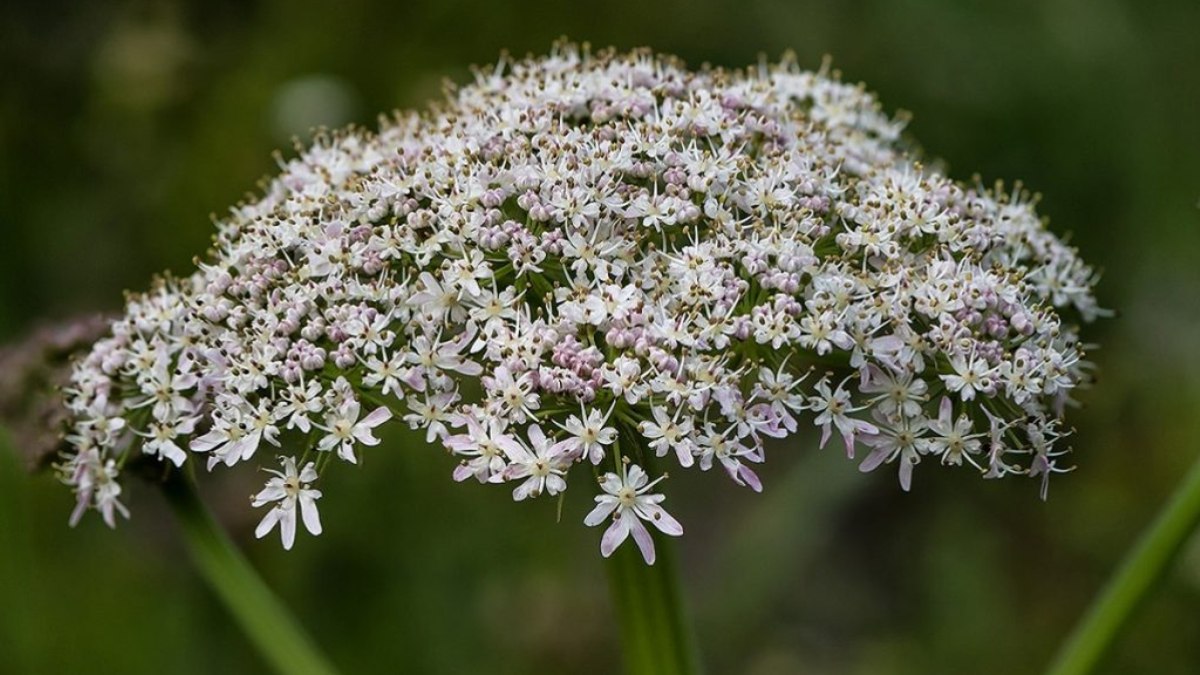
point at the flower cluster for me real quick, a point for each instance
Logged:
(600, 259)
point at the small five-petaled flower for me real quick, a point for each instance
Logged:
(290, 492)
(628, 500)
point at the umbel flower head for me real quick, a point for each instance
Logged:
(590, 258)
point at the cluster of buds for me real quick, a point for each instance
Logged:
(599, 259)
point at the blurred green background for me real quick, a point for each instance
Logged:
(123, 124)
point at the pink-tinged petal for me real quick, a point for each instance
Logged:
(469, 368)
(186, 426)
(364, 435)
(414, 379)
(208, 441)
(267, 523)
(826, 432)
(865, 428)
(537, 438)
(641, 536)
(377, 417)
(435, 432)
(849, 439)
(774, 429)
(81, 505)
(604, 508)
(946, 411)
(527, 489)
(665, 522)
(561, 450)
(684, 452)
(509, 446)
(878, 456)
(346, 452)
(515, 471)
(463, 472)
(906, 471)
(611, 483)
(517, 453)
(308, 511)
(615, 535)
(887, 346)
(106, 513)
(635, 476)
(555, 484)
(749, 477)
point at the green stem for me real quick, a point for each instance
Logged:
(656, 634)
(263, 618)
(1137, 575)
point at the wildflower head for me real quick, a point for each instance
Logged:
(594, 258)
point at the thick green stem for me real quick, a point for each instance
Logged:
(1133, 581)
(656, 635)
(263, 618)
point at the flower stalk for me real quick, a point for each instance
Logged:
(276, 634)
(1133, 581)
(656, 635)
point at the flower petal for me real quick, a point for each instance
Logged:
(268, 522)
(641, 536)
(287, 527)
(604, 508)
(308, 511)
(615, 535)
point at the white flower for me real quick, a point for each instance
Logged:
(969, 377)
(896, 393)
(627, 499)
(96, 486)
(344, 429)
(899, 438)
(542, 466)
(832, 408)
(514, 393)
(717, 445)
(291, 492)
(666, 433)
(953, 439)
(302, 401)
(624, 378)
(237, 439)
(590, 436)
(228, 441)
(431, 412)
(387, 373)
(160, 439)
(433, 356)
(485, 445)
(583, 233)
(165, 387)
